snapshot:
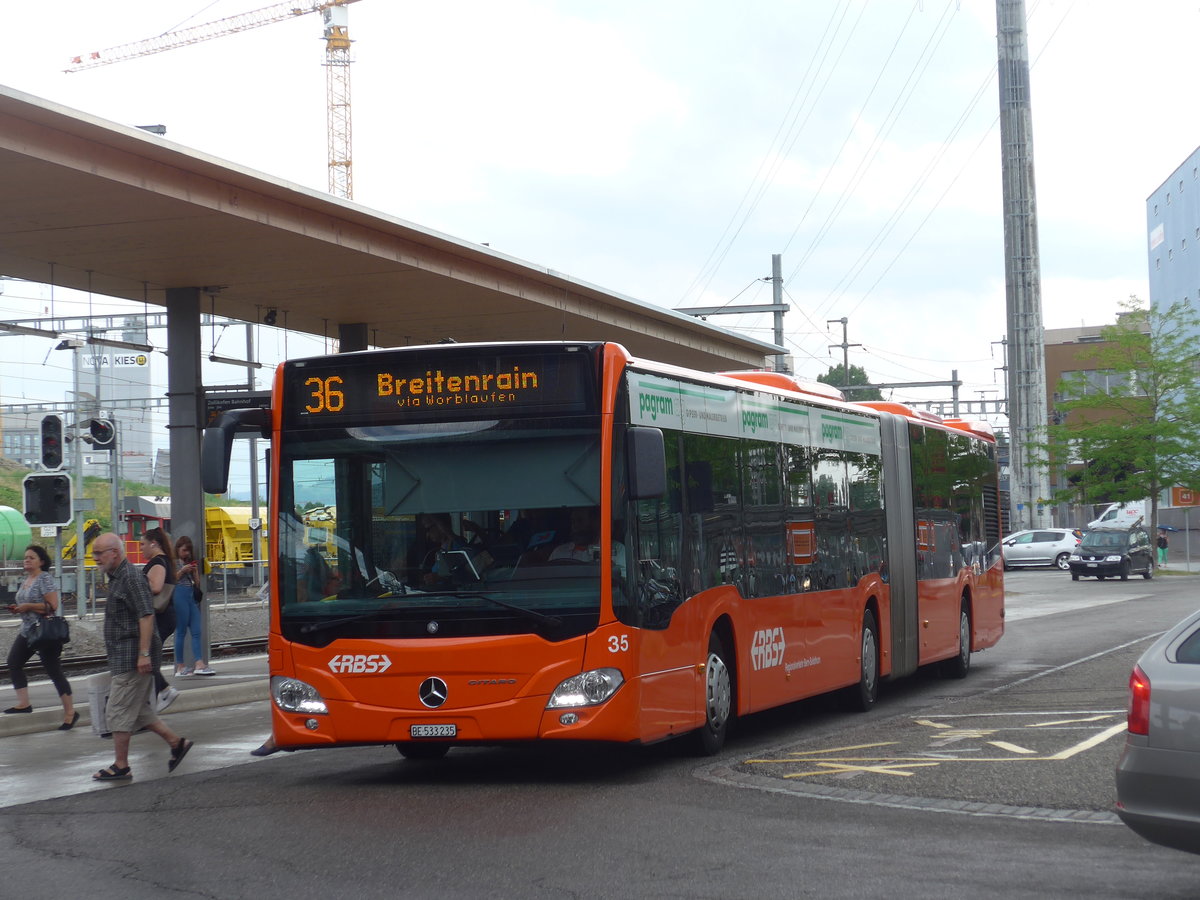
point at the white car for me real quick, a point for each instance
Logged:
(1040, 547)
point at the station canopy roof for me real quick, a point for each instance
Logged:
(143, 215)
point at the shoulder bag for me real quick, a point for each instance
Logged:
(49, 631)
(163, 598)
(197, 591)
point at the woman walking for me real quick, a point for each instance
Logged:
(187, 609)
(36, 597)
(159, 571)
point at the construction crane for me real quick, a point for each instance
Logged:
(337, 66)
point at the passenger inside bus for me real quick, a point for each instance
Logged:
(319, 579)
(582, 545)
(439, 532)
(506, 542)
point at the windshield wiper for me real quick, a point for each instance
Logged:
(552, 621)
(333, 623)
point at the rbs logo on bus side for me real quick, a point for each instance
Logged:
(360, 663)
(766, 650)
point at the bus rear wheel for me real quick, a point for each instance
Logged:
(960, 665)
(431, 750)
(718, 700)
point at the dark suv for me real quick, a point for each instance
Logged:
(1116, 552)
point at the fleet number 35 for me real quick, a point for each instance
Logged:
(618, 643)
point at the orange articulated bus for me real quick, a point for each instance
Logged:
(559, 541)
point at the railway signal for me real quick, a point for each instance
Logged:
(52, 443)
(48, 497)
(102, 434)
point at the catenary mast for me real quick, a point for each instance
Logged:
(1029, 477)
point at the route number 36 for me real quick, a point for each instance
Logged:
(324, 395)
(618, 643)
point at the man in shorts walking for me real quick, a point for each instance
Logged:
(134, 650)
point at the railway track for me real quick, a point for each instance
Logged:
(89, 665)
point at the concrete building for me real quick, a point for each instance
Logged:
(1069, 351)
(1173, 227)
(1173, 233)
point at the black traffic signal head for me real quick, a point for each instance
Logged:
(103, 434)
(48, 498)
(52, 442)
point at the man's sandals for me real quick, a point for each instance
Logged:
(124, 773)
(113, 773)
(178, 752)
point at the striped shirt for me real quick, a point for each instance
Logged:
(128, 602)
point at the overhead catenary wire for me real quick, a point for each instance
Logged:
(918, 187)
(902, 98)
(789, 134)
(897, 107)
(937, 203)
(868, 156)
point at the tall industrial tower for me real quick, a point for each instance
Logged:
(337, 91)
(337, 66)
(1029, 477)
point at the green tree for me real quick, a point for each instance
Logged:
(836, 376)
(1132, 417)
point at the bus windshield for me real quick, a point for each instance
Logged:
(465, 528)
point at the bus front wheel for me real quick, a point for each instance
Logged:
(718, 700)
(864, 694)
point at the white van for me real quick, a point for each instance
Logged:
(1123, 515)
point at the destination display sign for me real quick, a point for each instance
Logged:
(399, 386)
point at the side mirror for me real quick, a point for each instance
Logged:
(217, 445)
(647, 462)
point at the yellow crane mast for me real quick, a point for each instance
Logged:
(337, 63)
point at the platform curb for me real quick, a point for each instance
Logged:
(49, 719)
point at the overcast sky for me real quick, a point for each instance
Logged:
(666, 149)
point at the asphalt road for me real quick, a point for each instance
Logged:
(999, 785)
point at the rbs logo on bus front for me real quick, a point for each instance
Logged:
(360, 663)
(767, 648)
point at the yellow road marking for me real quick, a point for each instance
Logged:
(1069, 721)
(800, 755)
(901, 765)
(844, 749)
(961, 734)
(839, 769)
(1011, 748)
(1090, 742)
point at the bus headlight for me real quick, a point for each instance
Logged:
(291, 695)
(586, 689)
